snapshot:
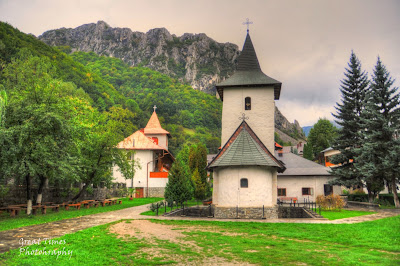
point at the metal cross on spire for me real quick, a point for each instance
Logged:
(248, 22)
(154, 107)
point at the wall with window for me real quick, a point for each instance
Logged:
(244, 187)
(162, 140)
(304, 187)
(261, 116)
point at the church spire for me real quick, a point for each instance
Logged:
(247, 60)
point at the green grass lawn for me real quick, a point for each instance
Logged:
(368, 243)
(334, 215)
(162, 210)
(7, 222)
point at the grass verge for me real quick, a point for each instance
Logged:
(376, 242)
(7, 222)
(334, 215)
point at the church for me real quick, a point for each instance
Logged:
(151, 153)
(245, 169)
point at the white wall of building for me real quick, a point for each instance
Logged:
(228, 193)
(140, 179)
(261, 116)
(294, 185)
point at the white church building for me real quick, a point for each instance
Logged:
(151, 153)
(245, 169)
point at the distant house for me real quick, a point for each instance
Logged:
(325, 156)
(303, 179)
(151, 152)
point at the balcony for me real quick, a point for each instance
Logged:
(158, 174)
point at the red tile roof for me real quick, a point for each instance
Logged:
(154, 126)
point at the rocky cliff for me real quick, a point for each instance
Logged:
(293, 130)
(191, 58)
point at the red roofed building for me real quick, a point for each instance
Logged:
(151, 153)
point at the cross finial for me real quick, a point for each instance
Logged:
(248, 22)
(154, 107)
(243, 117)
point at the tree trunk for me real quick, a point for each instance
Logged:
(394, 190)
(29, 194)
(43, 181)
(80, 192)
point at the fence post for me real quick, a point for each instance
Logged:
(172, 205)
(165, 204)
(319, 209)
(157, 208)
(237, 212)
(263, 216)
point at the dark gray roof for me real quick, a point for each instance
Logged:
(244, 148)
(248, 72)
(298, 166)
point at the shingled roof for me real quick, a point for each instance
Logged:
(138, 141)
(244, 148)
(154, 126)
(248, 73)
(299, 166)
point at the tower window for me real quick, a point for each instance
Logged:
(244, 182)
(247, 103)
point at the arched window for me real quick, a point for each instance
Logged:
(247, 103)
(244, 183)
(155, 140)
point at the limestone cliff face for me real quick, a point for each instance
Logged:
(191, 58)
(293, 130)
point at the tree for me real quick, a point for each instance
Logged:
(36, 133)
(354, 89)
(377, 155)
(198, 161)
(307, 152)
(178, 188)
(199, 186)
(321, 136)
(3, 103)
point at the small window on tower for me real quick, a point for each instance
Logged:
(247, 103)
(244, 182)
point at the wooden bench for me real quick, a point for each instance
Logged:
(13, 210)
(76, 205)
(291, 199)
(55, 208)
(104, 202)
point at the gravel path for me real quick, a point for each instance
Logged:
(10, 239)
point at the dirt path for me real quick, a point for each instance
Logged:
(10, 239)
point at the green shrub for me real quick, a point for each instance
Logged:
(358, 197)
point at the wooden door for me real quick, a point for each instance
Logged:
(139, 192)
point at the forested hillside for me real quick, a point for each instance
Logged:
(189, 115)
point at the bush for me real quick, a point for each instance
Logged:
(330, 202)
(386, 199)
(153, 206)
(358, 197)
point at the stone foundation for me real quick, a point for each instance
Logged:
(245, 212)
(155, 192)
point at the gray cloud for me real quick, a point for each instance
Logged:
(304, 44)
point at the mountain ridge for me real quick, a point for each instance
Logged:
(194, 59)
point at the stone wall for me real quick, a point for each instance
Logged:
(155, 192)
(293, 212)
(245, 212)
(197, 211)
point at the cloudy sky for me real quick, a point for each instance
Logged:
(304, 44)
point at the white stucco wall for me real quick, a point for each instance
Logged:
(261, 116)
(162, 140)
(228, 193)
(140, 179)
(294, 185)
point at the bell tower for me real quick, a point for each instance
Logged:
(252, 93)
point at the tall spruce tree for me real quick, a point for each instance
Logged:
(378, 152)
(353, 88)
(178, 188)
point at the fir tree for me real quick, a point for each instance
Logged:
(377, 155)
(307, 152)
(354, 88)
(178, 188)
